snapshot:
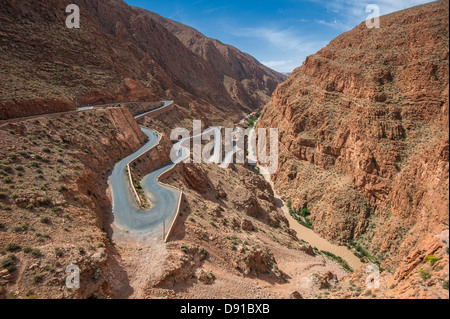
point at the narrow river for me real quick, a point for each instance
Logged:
(308, 235)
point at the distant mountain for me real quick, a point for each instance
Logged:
(120, 53)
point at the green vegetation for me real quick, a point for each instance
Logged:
(31, 295)
(305, 212)
(302, 217)
(253, 120)
(94, 296)
(10, 295)
(425, 275)
(185, 248)
(25, 154)
(58, 252)
(97, 274)
(362, 254)
(45, 220)
(338, 259)
(7, 180)
(34, 164)
(21, 228)
(36, 253)
(140, 191)
(12, 247)
(9, 263)
(235, 242)
(432, 259)
(38, 279)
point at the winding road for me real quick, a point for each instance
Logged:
(128, 216)
(138, 223)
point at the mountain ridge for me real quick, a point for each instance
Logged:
(119, 51)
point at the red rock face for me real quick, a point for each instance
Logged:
(364, 133)
(120, 53)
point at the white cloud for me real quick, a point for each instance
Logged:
(335, 25)
(285, 39)
(283, 66)
(294, 47)
(354, 11)
(273, 64)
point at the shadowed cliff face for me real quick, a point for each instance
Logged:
(119, 53)
(364, 134)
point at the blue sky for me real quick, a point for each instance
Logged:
(279, 33)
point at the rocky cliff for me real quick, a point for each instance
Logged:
(54, 209)
(120, 53)
(364, 135)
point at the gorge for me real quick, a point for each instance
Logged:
(87, 177)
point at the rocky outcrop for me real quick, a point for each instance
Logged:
(155, 158)
(295, 295)
(364, 129)
(247, 225)
(258, 261)
(251, 207)
(194, 177)
(183, 267)
(327, 280)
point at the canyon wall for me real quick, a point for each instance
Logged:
(364, 130)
